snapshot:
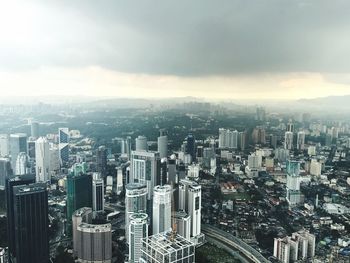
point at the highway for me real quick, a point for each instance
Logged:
(234, 243)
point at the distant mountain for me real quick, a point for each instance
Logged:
(331, 102)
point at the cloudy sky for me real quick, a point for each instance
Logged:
(236, 49)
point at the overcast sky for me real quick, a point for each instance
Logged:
(215, 49)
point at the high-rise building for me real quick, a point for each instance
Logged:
(301, 140)
(135, 202)
(260, 114)
(281, 249)
(79, 186)
(258, 135)
(91, 242)
(5, 172)
(42, 157)
(34, 128)
(315, 167)
(183, 224)
(97, 193)
(138, 229)
(161, 216)
(31, 148)
(293, 183)
(54, 159)
(191, 146)
(30, 215)
(290, 126)
(141, 143)
(18, 143)
(4, 145)
(228, 138)
(190, 202)
(242, 140)
(101, 160)
(63, 140)
(163, 143)
(145, 168)
(254, 165)
(273, 141)
(288, 140)
(167, 248)
(10, 184)
(22, 164)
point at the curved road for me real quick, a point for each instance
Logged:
(235, 243)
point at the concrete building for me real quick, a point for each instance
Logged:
(141, 143)
(183, 224)
(167, 248)
(163, 144)
(18, 144)
(42, 157)
(97, 193)
(161, 216)
(63, 139)
(4, 145)
(301, 140)
(135, 202)
(91, 242)
(145, 168)
(138, 229)
(288, 140)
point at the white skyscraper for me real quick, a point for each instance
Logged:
(138, 229)
(18, 144)
(22, 167)
(97, 193)
(42, 156)
(288, 140)
(281, 249)
(141, 143)
(161, 216)
(190, 200)
(163, 144)
(301, 140)
(145, 169)
(228, 138)
(4, 145)
(135, 202)
(183, 224)
(293, 183)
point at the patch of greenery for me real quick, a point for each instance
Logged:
(212, 254)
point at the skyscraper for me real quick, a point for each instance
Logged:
(4, 145)
(30, 214)
(42, 157)
(10, 206)
(22, 164)
(138, 229)
(293, 182)
(301, 140)
(163, 143)
(101, 160)
(145, 168)
(167, 248)
(141, 143)
(191, 146)
(161, 216)
(288, 140)
(79, 186)
(5, 172)
(97, 193)
(63, 140)
(183, 224)
(91, 242)
(34, 128)
(135, 202)
(18, 143)
(228, 138)
(190, 199)
(31, 148)
(259, 135)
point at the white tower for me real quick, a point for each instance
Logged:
(141, 143)
(288, 140)
(301, 140)
(138, 229)
(163, 144)
(97, 193)
(162, 209)
(42, 157)
(22, 164)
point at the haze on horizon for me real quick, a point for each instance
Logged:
(234, 50)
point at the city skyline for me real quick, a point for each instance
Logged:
(237, 50)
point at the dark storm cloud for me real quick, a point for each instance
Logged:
(193, 37)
